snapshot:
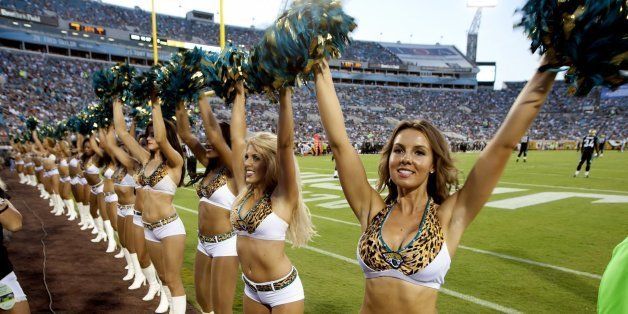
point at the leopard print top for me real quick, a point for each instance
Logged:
(254, 216)
(219, 179)
(410, 259)
(154, 177)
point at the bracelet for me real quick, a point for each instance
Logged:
(6, 206)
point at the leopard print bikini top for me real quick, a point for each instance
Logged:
(216, 192)
(260, 222)
(423, 261)
(158, 181)
(219, 179)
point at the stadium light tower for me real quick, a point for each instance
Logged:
(472, 34)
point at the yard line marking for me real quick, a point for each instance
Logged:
(511, 183)
(452, 293)
(527, 261)
(495, 254)
(561, 187)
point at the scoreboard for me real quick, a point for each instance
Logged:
(75, 26)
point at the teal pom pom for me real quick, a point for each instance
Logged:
(142, 116)
(308, 32)
(46, 130)
(110, 84)
(586, 36)
(228, 69)
(60, 130)
(99, 115)
(143, 86)
(181, 79)
(31, 123)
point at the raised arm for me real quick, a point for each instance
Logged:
(175, 160)
(238, 137)
(38, 143)
(129, 141)
(183, 129)
(118, 153)
(360, 195)
(79, 142)
(213, 132)
(491, 163)
(287, 188)
(94, 144)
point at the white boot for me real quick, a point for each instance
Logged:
(33, 180)
(140, 279)
(111, 246)
(81, 214)
(130, 273)
(58, 204)
(164, 302)
(120, 254)
(22, 178)
(97, 226)
(100, 230)
(179, 304)
(89, 221)
(153, 284)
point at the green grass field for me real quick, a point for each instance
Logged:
(542, 257)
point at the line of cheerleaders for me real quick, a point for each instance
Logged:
(251, 202)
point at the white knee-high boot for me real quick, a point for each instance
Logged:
(178, 304)
(111, 246)
(69, 204)
(100, 230)
(153, 284)
(58, 204)
(81, 215)
(140, 279)
(22, 178)
(164, 302)
(33, 180)
(89, 220)
(130, 273)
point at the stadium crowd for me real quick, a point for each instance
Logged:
(53, 88)
(138, 21)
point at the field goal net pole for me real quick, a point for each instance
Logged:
(222, 25)
(154, 23)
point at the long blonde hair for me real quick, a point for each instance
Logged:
(300, 229)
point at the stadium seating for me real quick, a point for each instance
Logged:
(53, 88)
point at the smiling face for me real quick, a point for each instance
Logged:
(410, 160)
(254, 166)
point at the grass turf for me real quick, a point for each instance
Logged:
(573, 233)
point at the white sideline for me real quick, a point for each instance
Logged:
(455, 294)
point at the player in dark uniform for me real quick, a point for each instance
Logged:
(589, 144)
(523, 148)
(601, 145)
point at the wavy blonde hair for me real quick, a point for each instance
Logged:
(300, 229)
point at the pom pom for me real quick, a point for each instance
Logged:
(99, 115)
(46, 130)
(31, 123)
(144, 87)
(308, 32)
(60, 130)
(141, 115)
(228, 69)
(585, 36)
(181, 79)
(113, 83)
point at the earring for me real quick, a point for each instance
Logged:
(431, 171)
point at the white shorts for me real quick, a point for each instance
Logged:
(288, 294)
(223, 248)
(137, 219)
(75, 180)
(11, 281)
(97, 189)
(111, 197)
(125, 210)
(83, 181)
(65, 179)
(172, 228)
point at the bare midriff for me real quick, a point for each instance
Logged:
(392, 295)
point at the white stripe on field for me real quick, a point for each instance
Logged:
(455, 294)
(527, 261)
